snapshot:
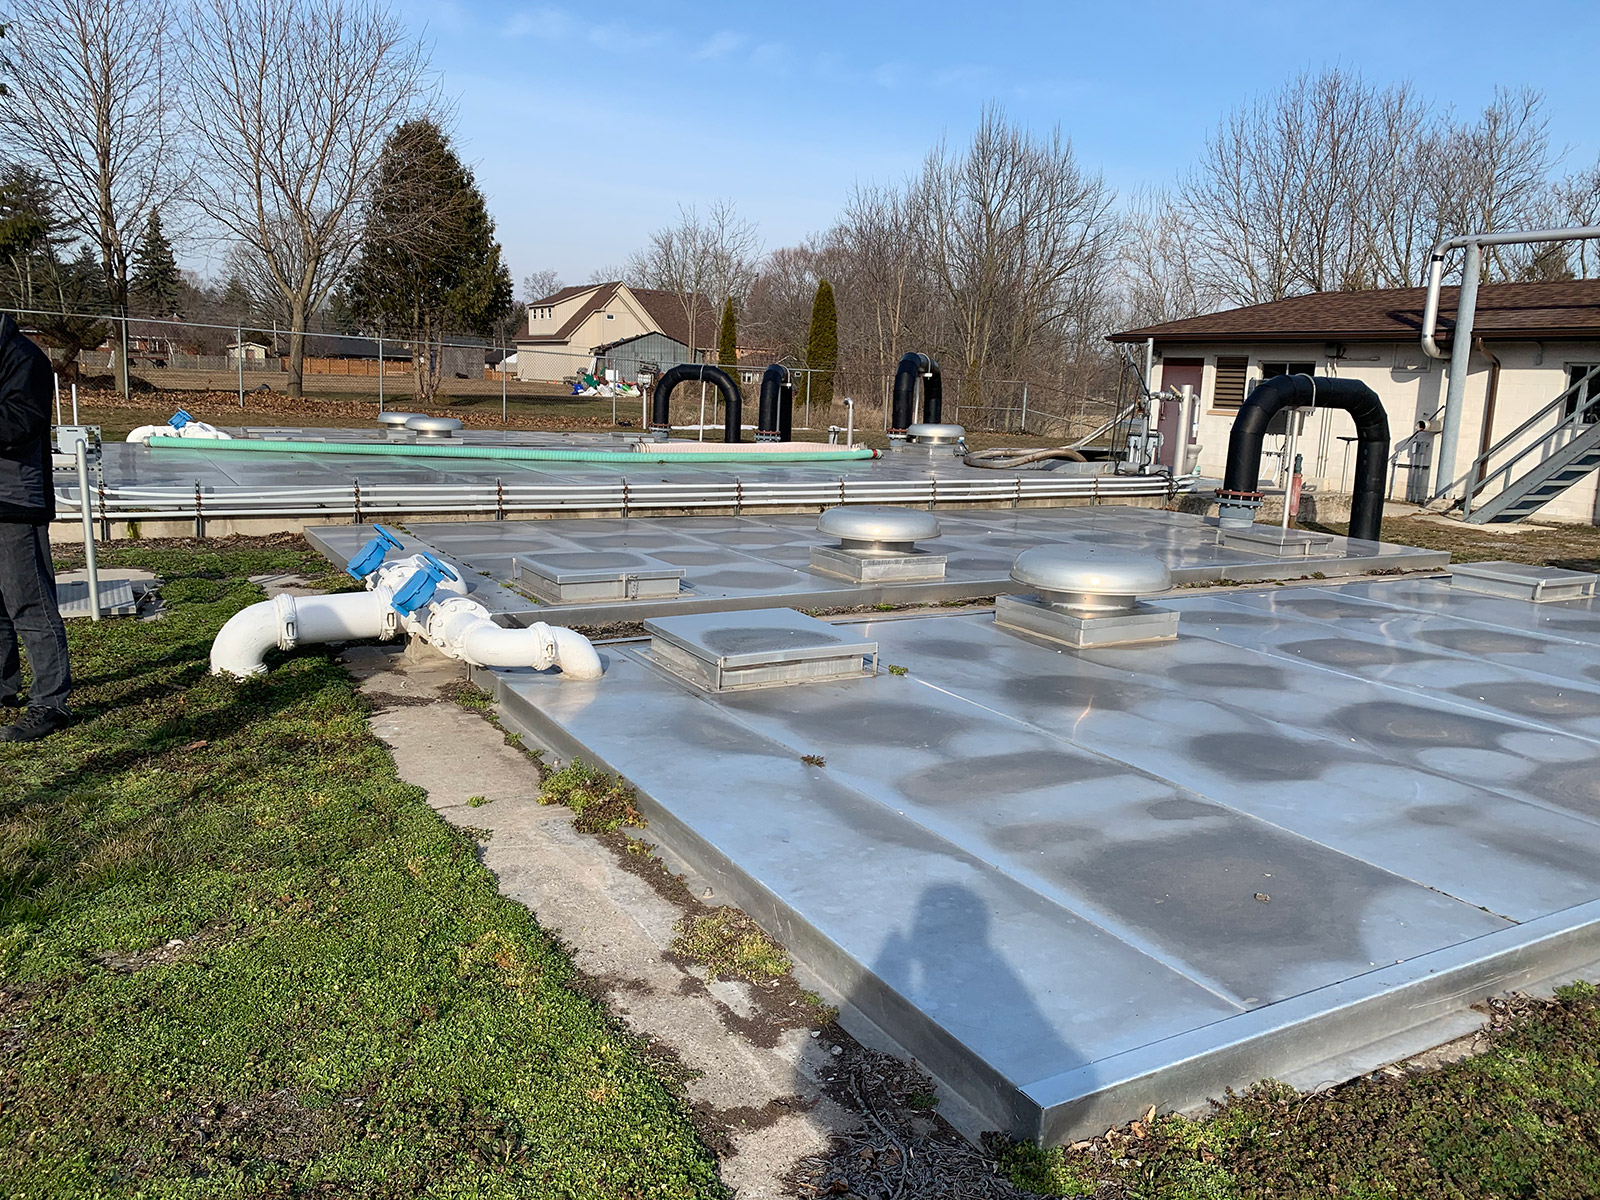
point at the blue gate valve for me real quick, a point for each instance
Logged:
(370, 557)
(417, 591)
(179, 419)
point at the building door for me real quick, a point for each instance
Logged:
(1175, 372)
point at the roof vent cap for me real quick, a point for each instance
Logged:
(1090, 579)
(394, 420)
(877, 544)
(935, 435)
(434, 427)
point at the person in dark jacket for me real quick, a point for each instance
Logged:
(27, 578)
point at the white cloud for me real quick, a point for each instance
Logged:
(721, 44)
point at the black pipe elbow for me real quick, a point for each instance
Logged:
(661, 398)
(903, 410)
(1243, 471)
(775, 419)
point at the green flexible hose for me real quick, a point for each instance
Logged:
(513, 453)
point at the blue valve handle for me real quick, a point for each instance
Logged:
(418, 590)
(370, 557)
(445, 570)
(179, 419)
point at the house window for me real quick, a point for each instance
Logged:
(611, 316)
(1581, 395)
(1227, 391)
(1271, 370)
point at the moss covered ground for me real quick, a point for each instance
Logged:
(240, 957)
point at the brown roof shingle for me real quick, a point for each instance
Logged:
(1505, 310)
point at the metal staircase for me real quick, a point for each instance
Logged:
(1540, 469)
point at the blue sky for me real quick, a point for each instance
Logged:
(587, 124)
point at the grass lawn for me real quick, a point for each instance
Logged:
(240, 957)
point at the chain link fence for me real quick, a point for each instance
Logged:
(173, 357)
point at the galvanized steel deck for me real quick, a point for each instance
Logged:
(1075, 883)
(762, 562)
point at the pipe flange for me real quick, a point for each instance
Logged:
(1241, 497)
(288, 620)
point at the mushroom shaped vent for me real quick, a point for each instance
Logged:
(434, 427)
(1088, 596)
(1090, 579)
(935, 435)
(396, 420)
(878, 526)
(878, 544)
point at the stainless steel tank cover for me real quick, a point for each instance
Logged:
(396, 419)
(1087, 570)
(434, 426)
(932, 435)
(878, 523)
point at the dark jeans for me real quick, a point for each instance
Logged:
(28, 611)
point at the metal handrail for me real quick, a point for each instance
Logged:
(187, 502)
(1472, 490)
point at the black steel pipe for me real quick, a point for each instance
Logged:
(660, 399)
(903, 412)
(1243, 472)
(775, 419)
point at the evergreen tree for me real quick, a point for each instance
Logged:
(428, 265)
(154, 283)
(822, 345)
(728, 337)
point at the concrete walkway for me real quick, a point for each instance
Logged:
(756, 1090)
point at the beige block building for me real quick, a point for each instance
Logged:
(1533, 344)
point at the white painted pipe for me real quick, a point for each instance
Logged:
(463, 629)
(286, 621)
(194, 429)
(458, 627)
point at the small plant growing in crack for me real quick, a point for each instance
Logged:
(813, 760)
(894, 670)
(600, 803)
(477, 801)
(728, 943)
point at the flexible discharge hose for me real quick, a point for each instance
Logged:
(1008, 458)
(514, 453)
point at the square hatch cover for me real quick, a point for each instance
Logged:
(724, 651)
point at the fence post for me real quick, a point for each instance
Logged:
(380, 373)
(1024, 406)
(238, 354)
(86, 511)
(127, 384)
(503, 383)
(808, 398)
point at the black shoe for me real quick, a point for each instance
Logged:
(36, 724)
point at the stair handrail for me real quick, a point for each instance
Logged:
(1482, 460)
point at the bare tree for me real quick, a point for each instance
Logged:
(1158, 276)
(1331, 183)
(293, 101)
(880, 284)
(1579, 204)
(1017, 238)
(89, 106)
(703, 260)
(539, 284)
(1494, 174)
